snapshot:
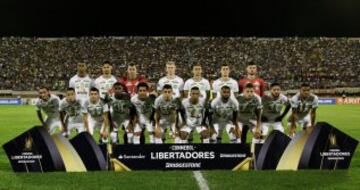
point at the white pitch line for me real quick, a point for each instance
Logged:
(201, 180)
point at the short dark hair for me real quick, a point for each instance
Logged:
(224, 65)
(131, 65)
(195, 88)
(44, 87)
(107, 62)
(93, 89)
(249, 85)
(70, 89)
(304, 85)
(225, 87)
(275, 84)
(122, 85)
(167, 86)
(143, 84)
(250, 63)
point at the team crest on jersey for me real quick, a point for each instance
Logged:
(95, 111)
(74, 109)
(121, 106)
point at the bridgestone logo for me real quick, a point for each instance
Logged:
(182, 155)
(183, 165)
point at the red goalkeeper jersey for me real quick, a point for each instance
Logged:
(132, 84)
(259, 85)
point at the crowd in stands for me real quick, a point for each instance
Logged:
(26, 63)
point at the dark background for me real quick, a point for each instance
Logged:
(200, 18)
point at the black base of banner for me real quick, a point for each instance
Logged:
(327, 148)
(89, 152)
(34, 151)
(272, 150)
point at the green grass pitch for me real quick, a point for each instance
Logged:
(16, 119)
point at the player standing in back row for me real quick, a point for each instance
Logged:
(176, 83)
(251, 77)
(105, 82)
(197, 81)
(82, 83)
(225, 80)
(132, 79)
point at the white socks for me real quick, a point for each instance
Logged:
(151, 139)
(130, 137)
(206, 141)
(136, 139)
(158, 140)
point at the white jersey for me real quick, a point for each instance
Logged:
(168, 109)
(303, 107)
(82, 86)
(248, 107)
(219, 83)
(144, 109)
(203, 85)
(104, 84)
(272, 107)
(176, 83)
(195, 113)
(222, 112)
(49, 107)
(72, 110)
(95, 111)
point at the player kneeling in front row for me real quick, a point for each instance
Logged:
(304, 105)
(144, 105)
(224, 115)
(167, 109)
(250, 113)
(70, 113)
(122, 113)
(273, 105)
(193, 113)
(49, 104)
(95, 115)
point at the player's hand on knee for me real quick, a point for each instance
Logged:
(292, 131)
(104, 134)
(257, 133)
(157, 132)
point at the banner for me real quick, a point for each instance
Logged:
(327, 101)
(10, 101)
(320, 147)
(34, 151)
(272, 150)
(348, 100)
(180, 156)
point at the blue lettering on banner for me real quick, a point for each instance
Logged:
(10, 101)
(327, 101)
